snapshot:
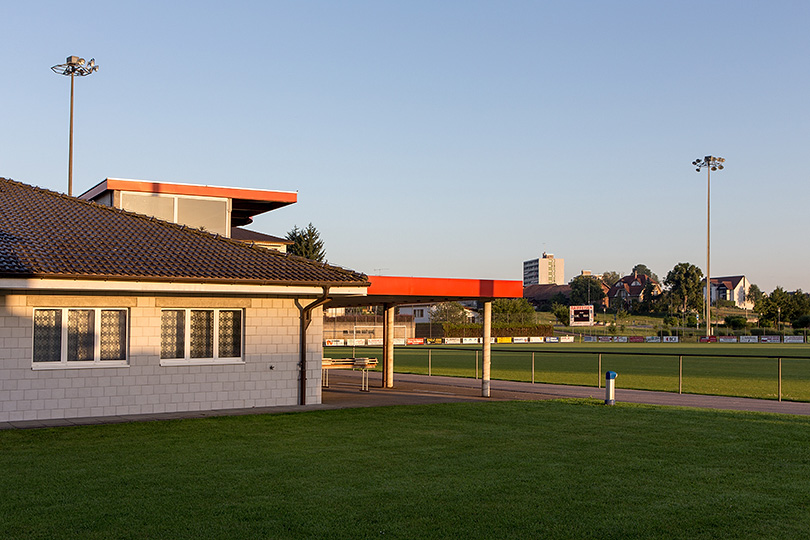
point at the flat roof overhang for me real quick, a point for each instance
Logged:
(245, 202)
(418, 290)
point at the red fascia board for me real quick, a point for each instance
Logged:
(444, 287)
(115, 184)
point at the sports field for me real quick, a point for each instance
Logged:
(499, 470)
(736, 370)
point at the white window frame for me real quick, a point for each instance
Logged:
(187, 360)
(97, 362)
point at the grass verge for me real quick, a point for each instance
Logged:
(559, 469)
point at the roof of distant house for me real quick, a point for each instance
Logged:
(545, 292)
(633, 284)
(730, 282)
(44, 234)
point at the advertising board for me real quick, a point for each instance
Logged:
(566, 339)
(334, 342)
(503, 340)
(670, 339)
(355, 342)
(520, 340)
(377, 342)
(399, 341)
(468, 340)
(537, 339)
(770, 339)
(727, 339)
(794, 339)
(620, 339)
(552, 339)
(456, 340)
(588, 339)
(416, 341)
(605, 339)
(749, 339)
(653, 339)
(636, 339)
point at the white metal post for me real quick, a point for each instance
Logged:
(487, 350)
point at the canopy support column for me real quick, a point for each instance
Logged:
(388, 346)
(487, 356)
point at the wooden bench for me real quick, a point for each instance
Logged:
(363, 364)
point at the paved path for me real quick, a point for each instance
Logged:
(344, 392)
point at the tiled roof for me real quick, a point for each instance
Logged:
(48, 234)
(545, 292)
(633, 291)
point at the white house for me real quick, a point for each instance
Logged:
(108, 312)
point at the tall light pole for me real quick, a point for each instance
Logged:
(710, 163)
(73, 66)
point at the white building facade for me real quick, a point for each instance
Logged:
(547, 270)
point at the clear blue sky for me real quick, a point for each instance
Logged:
(453, 139)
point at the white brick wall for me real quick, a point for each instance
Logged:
(271, 338)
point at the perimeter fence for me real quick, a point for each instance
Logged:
(751, 374)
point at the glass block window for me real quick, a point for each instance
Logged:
(113, 334)
(47, 335)
(80, 337)
(230, 333)
(172, 333)
(201, 335)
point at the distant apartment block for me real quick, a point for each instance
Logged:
(544, 271)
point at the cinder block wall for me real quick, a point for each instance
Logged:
(268, 377)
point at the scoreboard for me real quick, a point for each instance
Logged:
(580, 316)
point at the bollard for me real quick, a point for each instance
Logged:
(610, 387)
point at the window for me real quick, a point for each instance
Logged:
(80, 337)
(200, 336)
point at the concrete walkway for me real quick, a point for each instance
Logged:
(344, 392)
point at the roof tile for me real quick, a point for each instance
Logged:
(48, 234)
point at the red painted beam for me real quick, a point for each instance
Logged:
(445, 287)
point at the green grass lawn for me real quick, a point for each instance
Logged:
(746, 375)
(501, 470)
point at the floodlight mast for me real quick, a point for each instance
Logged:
(73, 66)
(710, 163)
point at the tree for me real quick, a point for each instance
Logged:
(753, 294)
(684, 282)
(736, 322)
(562, 313)
(306, 243)
(512, 310)
(448, 312)
(774, 307)
(610, 277)
(642, 269)
(649, 300)
(586, 290)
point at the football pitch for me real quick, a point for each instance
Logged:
(740, 370)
